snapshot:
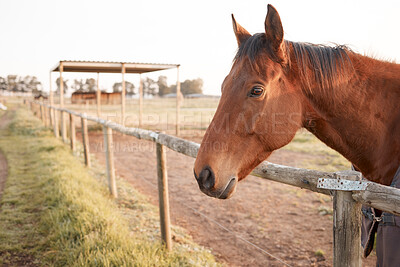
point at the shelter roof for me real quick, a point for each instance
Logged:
(110, 67)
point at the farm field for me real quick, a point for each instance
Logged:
(158, 113)
(56, 212)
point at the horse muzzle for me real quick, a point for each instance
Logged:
(206, 182)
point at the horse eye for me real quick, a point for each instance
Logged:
(256, 91)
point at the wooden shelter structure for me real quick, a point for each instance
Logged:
(113, 67)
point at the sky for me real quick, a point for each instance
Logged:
(196, 34)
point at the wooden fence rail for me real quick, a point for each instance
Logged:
(347, 214)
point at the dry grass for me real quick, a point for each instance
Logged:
(56, 212)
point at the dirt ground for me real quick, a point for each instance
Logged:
(291, 224)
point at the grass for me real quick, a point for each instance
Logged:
(56, 212)
(319, 253)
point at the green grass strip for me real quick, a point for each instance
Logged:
(55, 212)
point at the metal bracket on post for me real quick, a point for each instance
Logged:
(341, 184)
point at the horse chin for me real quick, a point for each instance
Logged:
(229, 190)
(224, 193)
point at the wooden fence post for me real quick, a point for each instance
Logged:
(45, 115)
(85, 140)
(108, 145)
(55, 125)
(163, 196)
(63, 127)
(72, 135)
(51, 120)
(41, 113)
(347, 249)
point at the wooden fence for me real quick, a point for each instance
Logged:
(347, 249)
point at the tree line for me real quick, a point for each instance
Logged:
(24, 84)
(150, 86)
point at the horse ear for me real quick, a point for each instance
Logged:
(274, 32)
(241, 34)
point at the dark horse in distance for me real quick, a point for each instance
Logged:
(275, 87)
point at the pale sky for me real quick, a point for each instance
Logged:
(196, 34)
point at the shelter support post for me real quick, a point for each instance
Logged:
(140, 101)
(98, 97)
(163, 196)
(178, 98)
(123, 96)
(62, 118)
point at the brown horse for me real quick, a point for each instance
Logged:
(275, 87)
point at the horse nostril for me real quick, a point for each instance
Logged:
(206, 178)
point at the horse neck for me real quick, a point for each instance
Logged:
(361, 119)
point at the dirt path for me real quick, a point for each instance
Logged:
(282, 220)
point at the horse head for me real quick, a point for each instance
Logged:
(259, 110)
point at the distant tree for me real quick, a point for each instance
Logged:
(117, 87)
(163, 88)
(25, 84)
(150, 87)
(12, 82)
(189, 87)
(32, 84)
(172, 89)
(77, 86)
(129, 87)
(3, 84)
(58, 85)
(17, 83)
(90, 85)
(192, 86)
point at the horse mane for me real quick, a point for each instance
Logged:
(328, 66)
